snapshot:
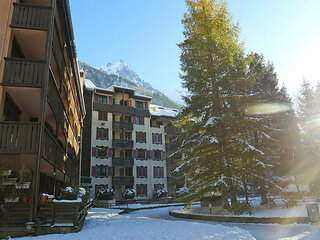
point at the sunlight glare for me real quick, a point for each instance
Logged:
(267, 108)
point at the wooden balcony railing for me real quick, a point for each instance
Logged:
(23, 72)
(31, 16)
(52, 151)
(122, 143)
(122, 126)
(122, 180)
(127, 162)
(19, 137)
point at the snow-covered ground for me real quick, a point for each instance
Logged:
(138, 205)
(108, 224)
(261, 211)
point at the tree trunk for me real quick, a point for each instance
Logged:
(263, 192)
(224, 198)
(245, 186)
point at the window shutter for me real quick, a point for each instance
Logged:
(142, 137)
(152, 154)
(107, 134)
(142, 120)
(99, 133)
(106, 152)
(96, 98)
(109, 171)
(99, 115)
(105, 117)
(110, 100)
(94, 151)
(148, 154)
(144, 189)
(94, 172)
(145, 154)
(163, 155)
(159, 138)
(154, 172)
(146, 105)
(109, 152)
(139, 137)
(104, 133)
(139, 172)
(144, 171)
(161, 172)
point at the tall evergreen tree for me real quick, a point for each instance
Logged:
(214, 73)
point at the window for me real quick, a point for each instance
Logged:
(138, 120)
(142, 172)
(156, 138)
(139, 104)
(103, 116)
(157, 154)
(101, 187)
(141, 153)
(158, 186)
(158, 172)
(102, 171)
(101, 152)
(141, 137)
(141, 190)
(103, 99)
(102, 133)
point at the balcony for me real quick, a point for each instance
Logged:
(127, 162)
(52, 151)
(122, 143)
(19, 137)
(115, 108)
(31, 16)
(122, 126)
(123, 180)
(22, 72)
(141, 112)
(171, 147)
(172, 130)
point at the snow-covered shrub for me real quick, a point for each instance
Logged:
(70, 193)
(129, 194)
(182, 191)
(160, 193)
(241, 208)
(106, 194)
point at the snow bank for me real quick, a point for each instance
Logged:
(108, 224)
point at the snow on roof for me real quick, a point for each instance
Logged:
(111, 88)
(157, 110)
(143, 96)
(89, 85)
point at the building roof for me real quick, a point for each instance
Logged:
(156, 110)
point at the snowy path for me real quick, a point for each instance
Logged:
(258, 231)
(108, 224)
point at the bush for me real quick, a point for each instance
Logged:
(269, 204)
(129, 194)
(70, 193)
(241, 208)
(160, 193)
(106, 194)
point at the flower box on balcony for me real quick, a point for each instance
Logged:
(9, 199)
(9, 181)
(23, 185)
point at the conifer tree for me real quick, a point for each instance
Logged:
(214, 73)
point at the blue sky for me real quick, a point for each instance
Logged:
(145, 34)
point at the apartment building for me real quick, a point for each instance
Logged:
(41, 99)
(124, 142)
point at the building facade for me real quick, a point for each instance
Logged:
(124, 142)
(41, 99)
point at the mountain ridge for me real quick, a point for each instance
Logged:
(110, 74)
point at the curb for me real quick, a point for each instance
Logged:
(129, 210)
(216, 218)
